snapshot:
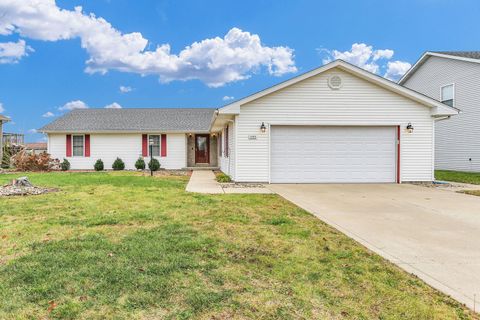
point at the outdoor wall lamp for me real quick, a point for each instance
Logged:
(263, 127)
(409, 128)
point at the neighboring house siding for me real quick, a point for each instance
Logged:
(128, 147)
(457, 139)
(1, 141)
(227, 164)
(312, 102)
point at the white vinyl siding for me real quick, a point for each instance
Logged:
(312, 102)
(457, 140)
(333, 154)
(127, 146)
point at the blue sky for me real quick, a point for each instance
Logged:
(54, 57)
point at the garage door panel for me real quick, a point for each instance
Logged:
(332, 154)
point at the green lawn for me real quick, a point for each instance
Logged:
(458, 176)
(124, 246)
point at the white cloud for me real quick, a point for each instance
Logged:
(12, 52)
(228, 98)
(32, 131)
(396, 69)
(2, 109)
(382, 54)
(75, 104)
(215, 61)
(48, 114)
(363, 56)
(113, 106)
(124, 89)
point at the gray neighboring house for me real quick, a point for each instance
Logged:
(454, 79)
(3, 119)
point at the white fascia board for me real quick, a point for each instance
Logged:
(233, 108)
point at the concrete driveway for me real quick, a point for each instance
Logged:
(432, 233)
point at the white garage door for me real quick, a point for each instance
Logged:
(309, 154)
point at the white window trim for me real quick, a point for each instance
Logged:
(83, 153)
(447, 85)
(159, 145)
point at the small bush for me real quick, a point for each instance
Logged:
(118, 164)
(65, 165)
(99, 165)
(154, 164)
(222, 177)
(140, 164)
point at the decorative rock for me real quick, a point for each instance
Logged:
(22, 182)
(22, 187)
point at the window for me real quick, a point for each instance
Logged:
(447, 93)
(155, 145)
(220, 144)
(77, 146)
(226, 142)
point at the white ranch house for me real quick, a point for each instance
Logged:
(335, 124)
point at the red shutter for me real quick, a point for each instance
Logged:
(164, 145)
(144, 145)
(69, 145)
(87, 145)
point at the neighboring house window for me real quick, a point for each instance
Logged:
(448, 95)
(77, 146)
(155, 139)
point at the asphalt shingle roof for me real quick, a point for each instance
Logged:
(464, 54)
(135, 120)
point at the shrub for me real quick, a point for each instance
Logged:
(140, 164)
(23, 161)
(98, 165)
(6, 158)
(65, 165)
(118, 164)
(222, 177)
(154, 164)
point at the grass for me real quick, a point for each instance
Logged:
(123, 246)
(222, 177)
(471, 192)
(458, 176)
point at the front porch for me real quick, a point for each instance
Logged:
(202, 151)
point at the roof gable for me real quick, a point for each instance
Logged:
(439, 108)
(467, 56)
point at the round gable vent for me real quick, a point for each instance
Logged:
(335, 82)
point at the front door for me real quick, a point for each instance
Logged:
(202, 142)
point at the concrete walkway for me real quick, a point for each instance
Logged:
(203, 181)
(432, 233)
